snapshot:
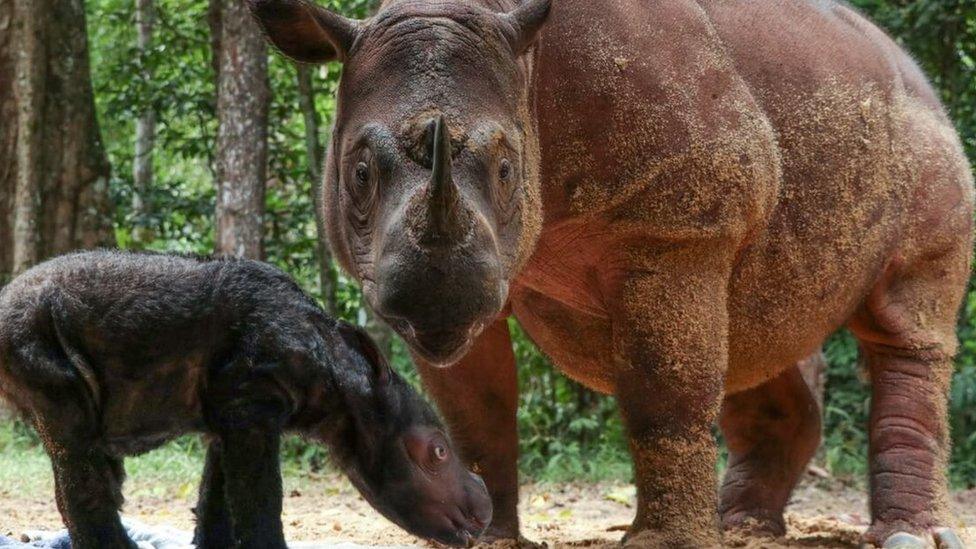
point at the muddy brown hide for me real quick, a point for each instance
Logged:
(724, 183)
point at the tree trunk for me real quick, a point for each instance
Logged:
(313, 149)
(243, 99)
(54, 174)
(8, 138)
(30, 73)
(142, 163)
(306, 100)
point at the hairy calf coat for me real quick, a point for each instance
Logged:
(112, 354)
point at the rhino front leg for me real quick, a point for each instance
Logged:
(478, 397)
(670, 329)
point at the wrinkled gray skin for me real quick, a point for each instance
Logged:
(382, 161)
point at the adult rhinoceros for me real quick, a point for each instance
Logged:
(679, 200)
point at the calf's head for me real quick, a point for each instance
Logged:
(395, 450)
(431, 188)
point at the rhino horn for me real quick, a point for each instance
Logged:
(447, 216)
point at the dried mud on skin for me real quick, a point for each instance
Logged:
(327, 510)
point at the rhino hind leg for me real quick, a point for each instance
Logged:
(772, 431)
(906, 329)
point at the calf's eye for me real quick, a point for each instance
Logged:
(440, 452)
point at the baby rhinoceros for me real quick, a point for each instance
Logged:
(111, 354)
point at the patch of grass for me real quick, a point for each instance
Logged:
(24, 467)
(570, 462)
(172, 470)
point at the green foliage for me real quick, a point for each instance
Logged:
(846, 406)
(182, 92)
(962, 408)
(566, 431)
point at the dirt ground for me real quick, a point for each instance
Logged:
(823, 513)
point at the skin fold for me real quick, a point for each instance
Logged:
(679, 201)
(112, 354)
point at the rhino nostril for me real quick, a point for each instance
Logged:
(477, 522)
(469, 522)
(401, 326)
(479, 481)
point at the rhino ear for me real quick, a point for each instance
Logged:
(305, 32)
(525, 22)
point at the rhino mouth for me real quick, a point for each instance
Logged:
(443, 347)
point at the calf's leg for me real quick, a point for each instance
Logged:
(214, 528)
(252, 485)
(88, 482)
(88, 490)
(772, 431)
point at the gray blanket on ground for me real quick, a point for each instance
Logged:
(155, 537)
(144, 536)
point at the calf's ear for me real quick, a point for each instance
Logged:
(358, 339)
(304, 31)
(525, 22)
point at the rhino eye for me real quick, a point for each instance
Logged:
(362, 173)
(505, 170)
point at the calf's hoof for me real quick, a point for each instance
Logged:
(942, 538)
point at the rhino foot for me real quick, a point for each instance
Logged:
(755, 523)
(942, 538)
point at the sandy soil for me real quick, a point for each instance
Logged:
(824, 513)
